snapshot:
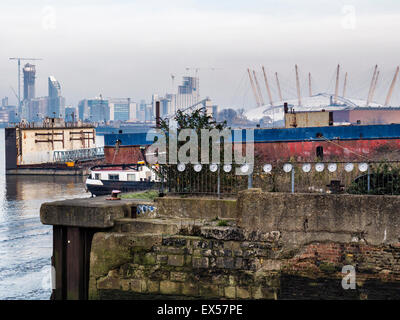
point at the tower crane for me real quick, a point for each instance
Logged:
(19, 59)
(196, 70)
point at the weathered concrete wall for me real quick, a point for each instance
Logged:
(269, 246)
(303, 218)
(196, 208)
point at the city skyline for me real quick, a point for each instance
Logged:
(130, 49)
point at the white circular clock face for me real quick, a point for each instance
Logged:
(332, 167)
(227, 168)
(349, 167)
(363, 167)
(267, 168)
(244, 168)
(287, 167)
(213, 167)
(319, 167)
(306, 167)
(181, 167)
(197, 167)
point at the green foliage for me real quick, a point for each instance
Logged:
(147, 195)
(384, 179)
(222, 223)
(196, 120)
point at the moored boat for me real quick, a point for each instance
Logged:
(103, 179)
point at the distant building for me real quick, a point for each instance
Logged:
(56, 104)
(188, 92)
(122, 110)
(29, 72)
(71, 114)
(4, 102)
(4, 115)
(36, 109)
(99, 110)
(83, 110)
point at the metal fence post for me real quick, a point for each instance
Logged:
(250, 181)
(219, 182)
(369, 180)
(292, 179)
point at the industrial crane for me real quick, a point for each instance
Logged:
(196, 70)
(19, 76)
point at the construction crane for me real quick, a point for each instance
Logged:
(19, 76)
(196, 70)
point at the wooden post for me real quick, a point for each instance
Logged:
(71, 260)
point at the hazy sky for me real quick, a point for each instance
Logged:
(130, 48)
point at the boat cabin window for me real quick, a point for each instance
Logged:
(131, 177)
(113, 177)
(97, 176)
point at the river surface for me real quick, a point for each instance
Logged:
(26, 244)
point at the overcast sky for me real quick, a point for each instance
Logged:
(127, 48)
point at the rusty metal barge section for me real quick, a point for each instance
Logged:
(36, 148)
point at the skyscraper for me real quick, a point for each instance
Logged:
(29, 71)
(188, 92)
(56, 105)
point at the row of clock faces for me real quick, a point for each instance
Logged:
(287, 167)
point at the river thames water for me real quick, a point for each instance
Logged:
(26, 244)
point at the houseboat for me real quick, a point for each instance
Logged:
(103, 179)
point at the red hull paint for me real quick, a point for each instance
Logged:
(337, 150)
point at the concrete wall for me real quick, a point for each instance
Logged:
(304, 218)
(284, 246)
(269, 246)
(199, 208)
